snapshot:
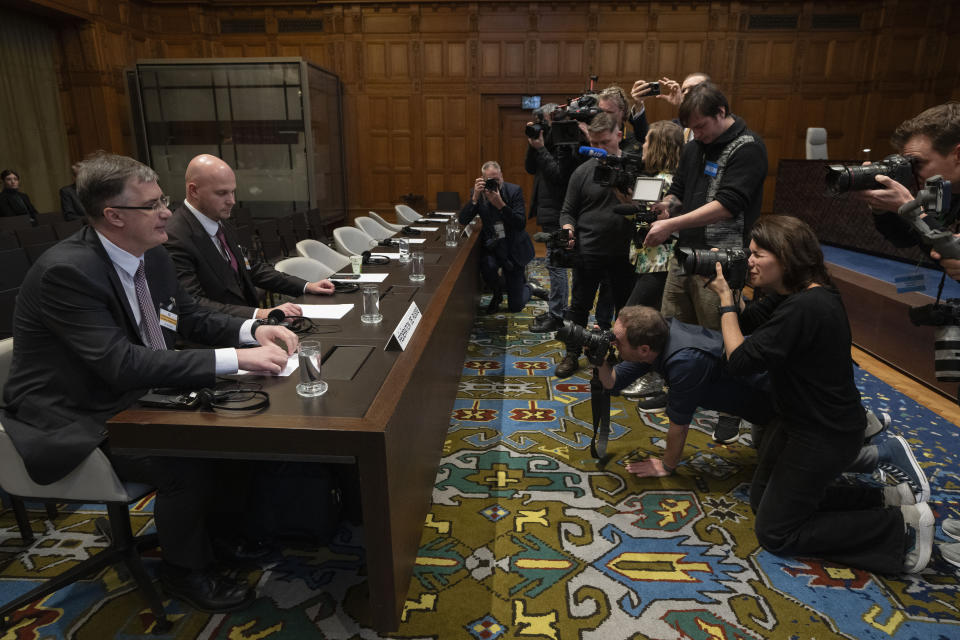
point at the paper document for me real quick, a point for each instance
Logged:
(392, 256)
(364, 277)
(325, 311)
(292, 363)
(444, 213)
(416, 240)
(432, 220)
(427, 228)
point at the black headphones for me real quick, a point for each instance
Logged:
(410, 231)
(345, 287)
(297, 324)
(237, 401)
(369, 258)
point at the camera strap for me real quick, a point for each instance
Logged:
(600, 404)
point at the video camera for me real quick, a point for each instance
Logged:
(614, 171)
(558, 253)
(702, 262)
(596, 343)
(842, 178)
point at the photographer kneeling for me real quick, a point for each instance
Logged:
(801, 337)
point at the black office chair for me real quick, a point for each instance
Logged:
(34, 251)
(67, 228)
(15, 222)
(13, 267)
(52, 217)
(448, 201)
(36, 235)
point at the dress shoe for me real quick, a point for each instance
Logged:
(568, 366)
(205, 590)
(545, 324)
(494, 305)
(537, 291)
(241, 550)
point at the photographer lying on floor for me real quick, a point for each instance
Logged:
(690, 358)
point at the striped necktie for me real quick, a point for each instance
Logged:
(149, 323)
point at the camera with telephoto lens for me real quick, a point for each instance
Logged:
(596, 343)
(565, 118)
(619, 171)
(945, 316)
(702, 262)
(842, 178)
(558, 253)
(534, 130)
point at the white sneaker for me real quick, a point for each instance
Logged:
(898, 495)
(919, 521)
(951, 527)
(951, 553)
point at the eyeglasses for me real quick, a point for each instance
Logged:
(162, 203)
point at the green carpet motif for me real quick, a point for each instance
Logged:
(529, 538)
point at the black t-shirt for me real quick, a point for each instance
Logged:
(803, 341)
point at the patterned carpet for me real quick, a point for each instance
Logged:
(528, 538)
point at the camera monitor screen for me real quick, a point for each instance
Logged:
(530, 102)
(648, 189)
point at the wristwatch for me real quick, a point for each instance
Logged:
(253, 327)
(729, 308)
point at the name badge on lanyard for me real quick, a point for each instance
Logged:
(711, 169)
(168, 319)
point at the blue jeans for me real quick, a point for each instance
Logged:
(559, 292)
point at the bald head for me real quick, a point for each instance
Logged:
(211, 186)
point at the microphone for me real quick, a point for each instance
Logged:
(275, 317)
(386, 243)
(592, 152)
(542, 236)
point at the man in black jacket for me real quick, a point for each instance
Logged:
(210, 263)
(716, 196)
(506, 245)
(95, 323)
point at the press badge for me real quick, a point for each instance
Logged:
(909, 282)
(246, 262)
(168, 319)
(711, 169)
(499, 230)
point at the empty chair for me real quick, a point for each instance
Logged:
(34, 251)
(406, 215)
(388, 225)
(8, 299)
(816, 143)
(36, 235)
(13, 267)
(8, 240)
(316, 250)
(52, 217)
(68, 228)
(350, 241)
(373, 228)
(307, 268)
(448, 201)
(15, 222)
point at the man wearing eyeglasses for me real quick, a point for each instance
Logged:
(95, 321)
(210, 263)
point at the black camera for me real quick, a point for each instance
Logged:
(596, 343)
(702, 262)
(619, 171)
(945, 316)
(565, 118)
(491, 184)
(539, 126)
(558, 253)
(842, 178)
(654, 89)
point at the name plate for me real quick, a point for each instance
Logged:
(404, 331)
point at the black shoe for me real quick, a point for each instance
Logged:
(727, 430)
(537, 291)
(652, 404)
(546, 324)
(494, 304)
(241, 550)
(568, 366)
(205, 590)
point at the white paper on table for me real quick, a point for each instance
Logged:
(293, 362)
(364, 277)
(432, 220)
(325, 311)
(427, 228)
(444, 213)
(416, 240)
(392, 256)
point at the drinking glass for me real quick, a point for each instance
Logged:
(453, 230)
(416, 266)
(404, 248)
(310, 354)
(355, 263)
(371, 304)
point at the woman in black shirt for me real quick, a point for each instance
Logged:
(14, 202)
(801, 336)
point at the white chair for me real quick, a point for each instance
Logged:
(405, 214)
(816, 143)
(373, 228)
(350, 241)
(320, 252)
(93, 481)
(388, 225)
(307, 268)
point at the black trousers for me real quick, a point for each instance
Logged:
(181, 507)
(587, 278)
(648, 290)
(800, 512)
(512, 281)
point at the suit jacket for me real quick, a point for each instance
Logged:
(70, 204)
(78, 357)
(16, 203)
(209, 278)
(515, 249)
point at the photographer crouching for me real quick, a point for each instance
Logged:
(801, 337)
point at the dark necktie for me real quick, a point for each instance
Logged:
(149, 322)
(222, 239)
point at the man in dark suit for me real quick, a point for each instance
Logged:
(95, 321)
(506, 245)
(210, 263)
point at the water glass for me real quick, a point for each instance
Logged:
(355, 263)
(311, 384)
(453, 231)
(416, 266)
(371, 304)
(404, 247)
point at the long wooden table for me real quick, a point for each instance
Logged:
(389, 416)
